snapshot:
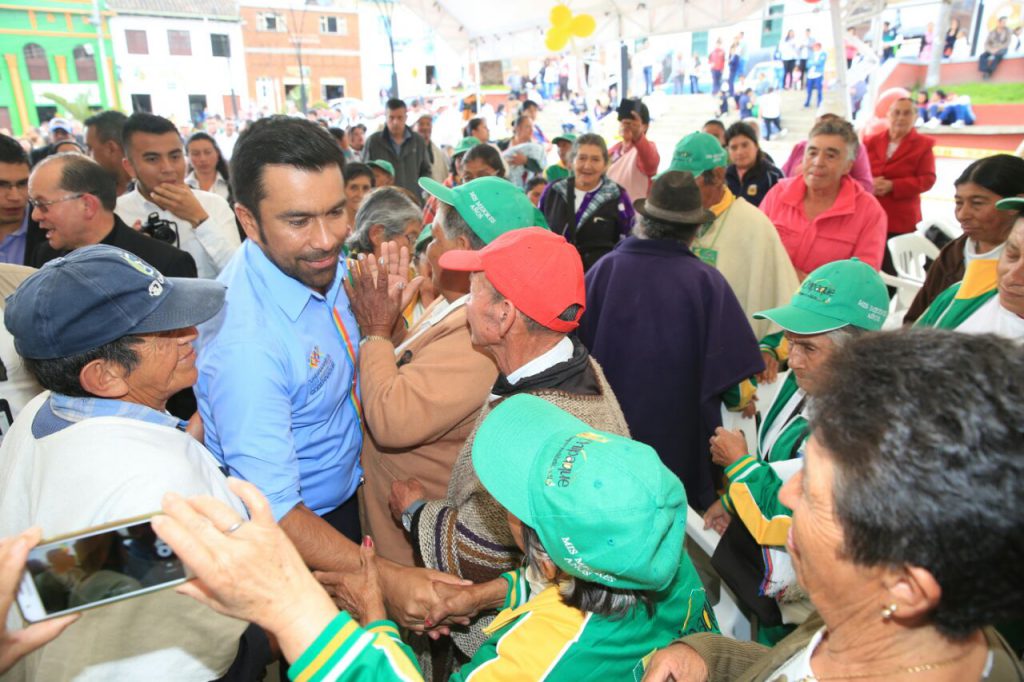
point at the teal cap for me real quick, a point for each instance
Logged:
(383, 165)
(606, 509)
(490, 206)
(464, 145)
(698, 152)
(841, 293)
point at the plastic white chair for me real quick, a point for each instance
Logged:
(731, 620)
(909, 252)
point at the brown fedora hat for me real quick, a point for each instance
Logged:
(675, 198)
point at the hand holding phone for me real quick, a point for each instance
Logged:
(13, 645)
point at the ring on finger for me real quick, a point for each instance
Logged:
(234, 526)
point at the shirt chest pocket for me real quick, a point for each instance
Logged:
(837, 245)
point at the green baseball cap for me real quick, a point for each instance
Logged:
(464, 145)
(490, 206)
(564, 137)
(383, 165)
(605, 507)
(1011, 204)
(698, 152)
(841, 293)
(424, 234)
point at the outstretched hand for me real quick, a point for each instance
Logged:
(380, 289)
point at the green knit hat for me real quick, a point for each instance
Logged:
(698, 152)
(490, 206)
(841, 293)
(605, 508)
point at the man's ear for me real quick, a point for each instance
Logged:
(126, 164)
(104, 379)
(249, 223)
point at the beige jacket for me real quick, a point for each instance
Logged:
(417, 416)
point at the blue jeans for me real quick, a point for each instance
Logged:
(768, 124)
(694, 85)
(988, 62)
(957, 112)
(812, 85)
(716, 81)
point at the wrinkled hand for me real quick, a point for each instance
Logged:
(717, 518)
(15, 644)
(179, 199)
(404, 493)
(379, 290)
(750, 410)
(632, 128)
(727, 446)
(459, 605)
(253, 573)
(676, 663)
(771, 368)
(359, 592)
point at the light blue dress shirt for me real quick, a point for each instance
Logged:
(12, 248)
(274, 382)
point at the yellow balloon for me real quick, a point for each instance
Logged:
(560, 14)
(583, 25)
(556, 39)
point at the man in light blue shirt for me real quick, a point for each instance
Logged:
(14, 208)
(277, 392)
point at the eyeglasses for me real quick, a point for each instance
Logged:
(44, 205)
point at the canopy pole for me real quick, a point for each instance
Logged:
(938, 43)
(839, 47)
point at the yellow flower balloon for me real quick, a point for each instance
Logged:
(565, 26)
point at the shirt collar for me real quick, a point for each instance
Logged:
(727, 198)
(147, 205)
(79, 409)
(560, 352)
(288, 293)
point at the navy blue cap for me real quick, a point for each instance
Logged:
(98, 294)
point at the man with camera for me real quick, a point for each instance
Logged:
(73, 198)
(198, 222)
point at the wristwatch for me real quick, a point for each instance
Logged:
(410, 512)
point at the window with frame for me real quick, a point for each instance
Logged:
(220, 45)
(36, 62)
(179, 43)
(335, 25)
(137, 42)
(270, 21)
(85, 62)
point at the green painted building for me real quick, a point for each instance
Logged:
(52, 47)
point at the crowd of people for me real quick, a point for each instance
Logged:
(420, 414)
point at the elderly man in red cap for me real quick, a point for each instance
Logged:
(526, 295)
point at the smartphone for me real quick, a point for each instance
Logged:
(94, 567)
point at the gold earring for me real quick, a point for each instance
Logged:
(888, 611)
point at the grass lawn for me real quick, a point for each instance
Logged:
(990, 93)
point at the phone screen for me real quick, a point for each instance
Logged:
(94, 568)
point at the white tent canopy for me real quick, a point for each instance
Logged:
(517, 28)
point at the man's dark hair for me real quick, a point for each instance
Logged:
(81, 175)
(395, 103)
(527, 103)
(282, 141)
(534, 182)
(337, 133)
(1002, 174)
(586, 596)
(12, 152)
(653, 228)
(471, 127)
(351, 171)
(487, 154)
(713, 122)
(358, 126)
(925, 429)
(61, 375)
(141, 122)
(109, 125)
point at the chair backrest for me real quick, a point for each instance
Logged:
(909, 252)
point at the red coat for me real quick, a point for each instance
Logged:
(912, 171)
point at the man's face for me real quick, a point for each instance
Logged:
(212, 126)
(482, 312)
(64, 222)
(13, 194)
(424, 127)
(167, 364)
(716, 131)
(355, 190)
(156, 159)
(825, 161)
(229, 127)
(531, 111)
(808, 356)
(357, 138)
(108, 154)
(381, 178)
(1011, 271)
(59, 135)
(396, 122)
(564, 149)
(476, 168)
(301, 223)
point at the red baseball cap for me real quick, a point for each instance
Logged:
(536, 269)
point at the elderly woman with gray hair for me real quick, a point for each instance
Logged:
(385, 215)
